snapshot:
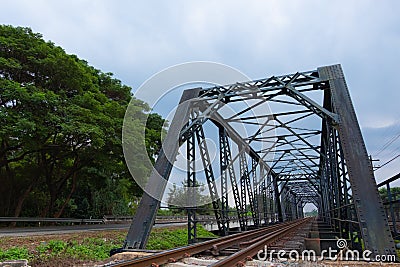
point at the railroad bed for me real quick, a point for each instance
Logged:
(234, 250)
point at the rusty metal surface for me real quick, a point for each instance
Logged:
(270, 234)
(371, 215)
(239, 258)
(326, 166)
(145, 215)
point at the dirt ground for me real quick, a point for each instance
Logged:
(32, 242)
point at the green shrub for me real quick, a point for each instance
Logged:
(97, 248)
(15, 253)
(167, 239)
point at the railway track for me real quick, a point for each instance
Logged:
(237, 248)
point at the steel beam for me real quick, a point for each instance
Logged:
(371, 214)
(328, 167)
(145, 215)
(191, 189)
(228, 170)
(212, 187)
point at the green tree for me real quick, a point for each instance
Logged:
(60, 135)
(180, 197)
(394, 191)
(155, 127)
(312, 213)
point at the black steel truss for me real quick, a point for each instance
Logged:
(227, 170)
(191, 185)
(308, 150)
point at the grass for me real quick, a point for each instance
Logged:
(166, 239)
(15, 253)
(95, 248)
(87, 249)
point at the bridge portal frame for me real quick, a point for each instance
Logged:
(342, 184)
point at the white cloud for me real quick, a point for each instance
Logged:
(378, 122)
(137, 39)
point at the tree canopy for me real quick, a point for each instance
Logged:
(181, 197)
(60, 134)
(394, 191)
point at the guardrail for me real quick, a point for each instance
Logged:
(391, 204)
(106, 219)
(158, 218)
(50, 220)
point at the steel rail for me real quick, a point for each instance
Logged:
(238, 258)
(176, 254)
(173, 255)
(249, 237)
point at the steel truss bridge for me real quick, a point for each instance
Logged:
(269, 165)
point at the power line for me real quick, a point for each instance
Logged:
(387, 144)
(393, 132)
(387, 162)
(392, 153)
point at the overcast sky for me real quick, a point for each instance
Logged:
(135, 39)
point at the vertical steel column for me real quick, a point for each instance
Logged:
(294, 207)
(269, 210)
(212, 187)
(334, 177)
(191, 189)
(223, 157)
(278, 203)
(243, 186)
(145, 215)
(256, 211)
(329, 172)
(286, 204)
(325, 194)
(226, 150)
(325, 166)
(391, 209)
(375, 231)
(263, 193)
(339, 185)
(244, 172)
(264, 196)
(348, 212)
